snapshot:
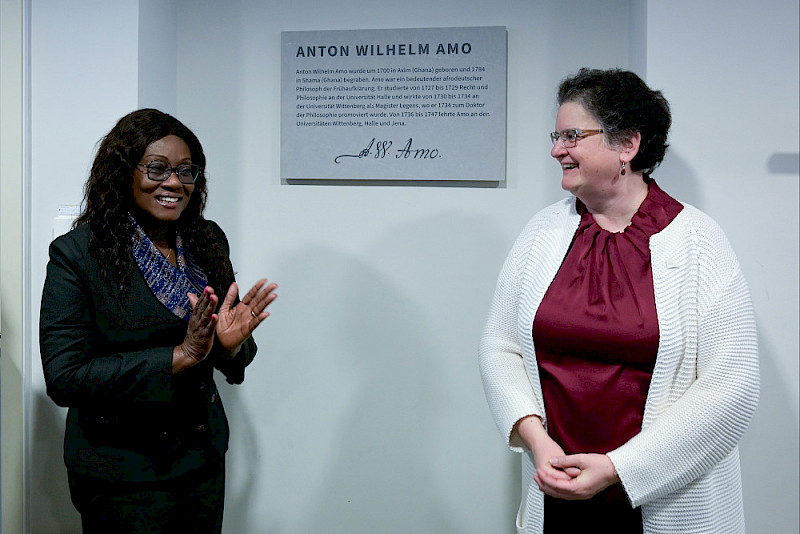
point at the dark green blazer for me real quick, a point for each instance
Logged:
(107, 356)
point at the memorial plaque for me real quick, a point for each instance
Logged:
(400, 104)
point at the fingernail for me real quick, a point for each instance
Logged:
(554, 461)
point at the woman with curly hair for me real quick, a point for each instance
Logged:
(620, 354)
(132, 328)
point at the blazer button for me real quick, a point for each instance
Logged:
(201, 428)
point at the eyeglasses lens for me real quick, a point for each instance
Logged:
(188, 173)
(159, 172)
(568, 137)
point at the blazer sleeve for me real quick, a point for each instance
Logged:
(79, 368)
(233, 370)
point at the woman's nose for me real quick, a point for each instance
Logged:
(172, 180)
(558, 149)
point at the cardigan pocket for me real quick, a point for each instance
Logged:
(531, 504)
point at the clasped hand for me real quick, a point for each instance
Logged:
(576, 476)
(570, 477)
(231, 326)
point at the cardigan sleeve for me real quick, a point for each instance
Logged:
(77, 369)
(508, 389)
(706, 421)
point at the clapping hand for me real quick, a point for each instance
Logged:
(200, 332)
(236, 323)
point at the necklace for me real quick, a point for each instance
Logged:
(168, 255)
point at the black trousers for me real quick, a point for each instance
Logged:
(192, 503)
(608, 511)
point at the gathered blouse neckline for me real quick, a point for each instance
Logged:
(654, 213)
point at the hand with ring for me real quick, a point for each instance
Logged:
(236, 323)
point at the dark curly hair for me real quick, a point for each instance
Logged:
(623, 105)
(108, 198)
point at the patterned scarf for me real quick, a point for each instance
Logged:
(169, 284)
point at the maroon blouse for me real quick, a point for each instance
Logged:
(596, 339)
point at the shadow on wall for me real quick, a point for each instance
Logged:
(51, 508)
(381, 478)
(678, 180)
(373, 416)
(784, 163)
(775, 408)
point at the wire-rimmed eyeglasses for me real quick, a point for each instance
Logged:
(158, 171)
(570, 136)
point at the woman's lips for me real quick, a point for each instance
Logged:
(167, 201)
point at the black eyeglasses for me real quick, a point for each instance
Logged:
(570, 137)
(158, 171)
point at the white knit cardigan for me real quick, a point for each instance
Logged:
(683, 467)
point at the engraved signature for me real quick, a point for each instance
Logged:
(363, 154)
(382, 150)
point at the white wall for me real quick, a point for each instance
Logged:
(364, 411)
(13, 166)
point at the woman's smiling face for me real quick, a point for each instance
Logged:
(591, 166)
(161, 203)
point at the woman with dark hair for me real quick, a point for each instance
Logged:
(620, 354)
(131, 330)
